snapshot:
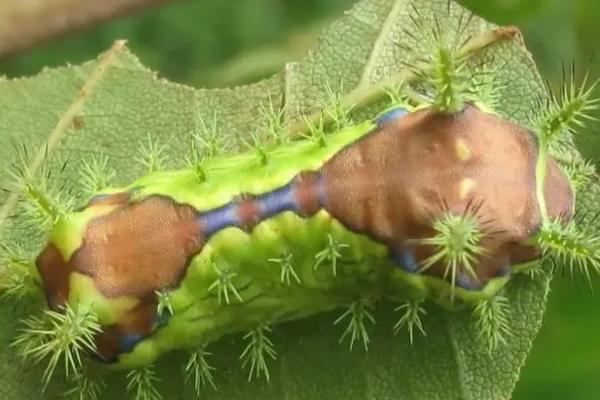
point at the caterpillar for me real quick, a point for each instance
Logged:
(436, 199)
(326, 219)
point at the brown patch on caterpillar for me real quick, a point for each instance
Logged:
(557, 191)
(55, 272)
(107, 345)
(132, 251)
(139, 247)
(521, 253)
(394, 182)
(496, 263)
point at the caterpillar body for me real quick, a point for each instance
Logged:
(344, 220)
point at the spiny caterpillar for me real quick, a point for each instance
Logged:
(436, 198)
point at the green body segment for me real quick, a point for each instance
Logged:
(352, 237)
(258, 295)
(229, 176)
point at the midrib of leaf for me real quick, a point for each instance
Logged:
(384, 34)
(61, 127)
(464, 393)
(287, 91)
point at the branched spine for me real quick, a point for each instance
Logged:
(96, 174)
(65, 335)
(564, 244)
(84, 387)
(205, 143)
(359, 313)
(43, 205)
(580, 173)
(286, 265)
(275, 124)
(259, 149)
(210, 141)
(195, 160)
(199, 372)
(492, 321)
(152, 155)
(411, 318)
(483, 87)
(396, 93)
(164, 302)
(447, 77)
(444, 68)
(442, 65)
(567, 111)
(18, 275)
(257, 351)
(316, 131)
(334, 106)
(224, 285)
(330, 254)
(456, 244)
(533, 270)
(142, 384)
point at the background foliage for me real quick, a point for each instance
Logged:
(214, 43)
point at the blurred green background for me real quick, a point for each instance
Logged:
(219, 43)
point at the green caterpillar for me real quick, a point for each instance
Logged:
(440, 200)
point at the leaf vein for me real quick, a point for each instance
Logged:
(383, 36)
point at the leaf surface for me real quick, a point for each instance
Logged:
(111, 104)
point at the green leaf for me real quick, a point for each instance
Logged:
(111, 105)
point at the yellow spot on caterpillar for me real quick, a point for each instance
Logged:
(462, 150)
(465, 186)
